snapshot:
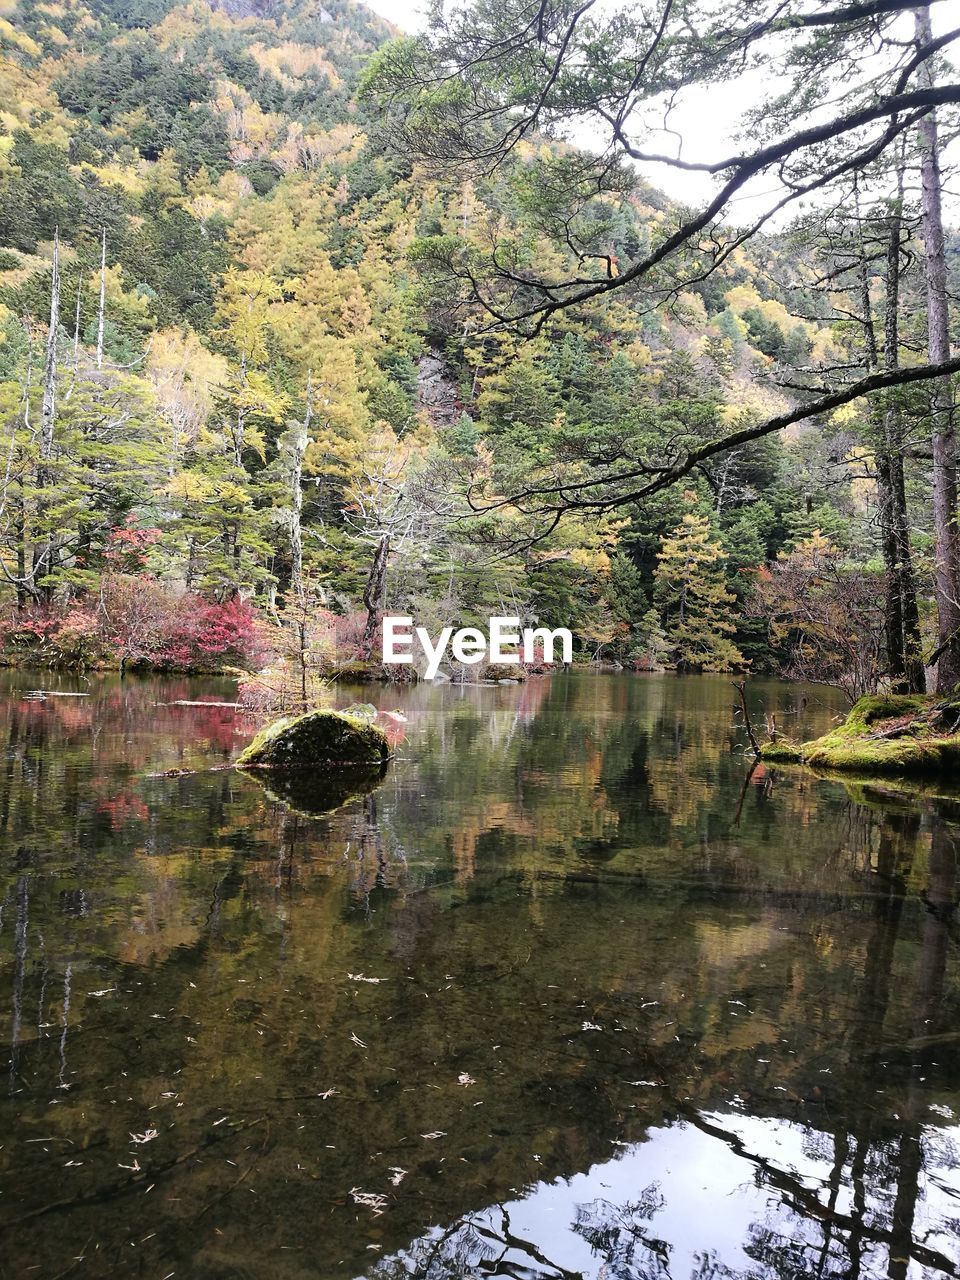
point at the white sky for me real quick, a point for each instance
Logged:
(707, 119)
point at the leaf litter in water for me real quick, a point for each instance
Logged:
(372, 1199)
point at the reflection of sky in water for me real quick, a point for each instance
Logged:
(697, 1196)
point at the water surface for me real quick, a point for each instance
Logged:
(567, 995)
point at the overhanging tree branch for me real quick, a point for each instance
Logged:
(562, 497)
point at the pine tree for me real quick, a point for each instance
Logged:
(652, 650)
(691, 589)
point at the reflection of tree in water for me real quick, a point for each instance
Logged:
(483, 1245)
(618, 1234)
(860, 1213)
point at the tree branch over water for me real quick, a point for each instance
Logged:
(618, 488)
(462, 97)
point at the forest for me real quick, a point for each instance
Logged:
(629, 960)
(303, 321)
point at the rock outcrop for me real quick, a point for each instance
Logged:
(317, 740)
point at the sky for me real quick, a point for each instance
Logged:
(707, 121)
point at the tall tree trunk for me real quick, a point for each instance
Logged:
(191, 564)
(76, 321)
(20, 533)
(101, 309)
(239, 431)
(48, 407)
(373, 593)
(893, 602)
(48, 412)
(946, 572)
(296, 496)
(907, 672)
(25, 589)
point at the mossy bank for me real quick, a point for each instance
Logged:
(884, 735)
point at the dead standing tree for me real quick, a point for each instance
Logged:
(388, 509)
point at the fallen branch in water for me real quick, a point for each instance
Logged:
(188, 773)
(40, 694)
(185, 702)
(745, 787)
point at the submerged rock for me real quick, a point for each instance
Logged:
(319, 739)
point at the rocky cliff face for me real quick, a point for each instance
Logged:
(437, 394)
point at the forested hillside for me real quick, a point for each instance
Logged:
(243, 412)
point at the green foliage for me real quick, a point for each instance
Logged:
(696, 603)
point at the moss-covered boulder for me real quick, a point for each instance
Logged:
(884, 735)
(317, 740)
(783, 752)
(914, 754)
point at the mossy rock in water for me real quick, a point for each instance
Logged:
(319, 739)
(918, 755)
(878, 706)
(783, 752)
(884, 735)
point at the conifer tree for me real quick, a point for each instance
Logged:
(691, 589)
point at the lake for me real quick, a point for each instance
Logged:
(568, 994)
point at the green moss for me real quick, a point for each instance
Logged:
(885, 755)
(783, 752)
(919, 746)
(878, 706)
(319, 738)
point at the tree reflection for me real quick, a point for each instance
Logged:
(618, 1233)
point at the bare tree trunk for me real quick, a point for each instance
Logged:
(239, 430)
(302, 650)
(373, 593)
(48, 410)
(296, 496)
(24, 591)
(76, 322)
(907, 672)
(886, 500)
(901, 618)
(191, 564)
(946, 572)
(101, 310)
(20, 532)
